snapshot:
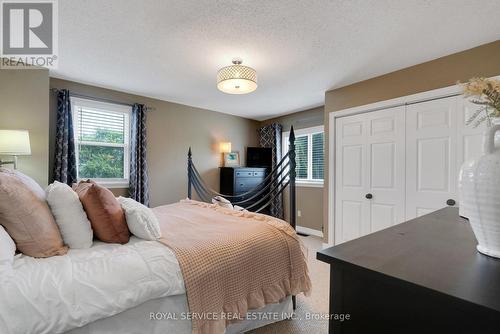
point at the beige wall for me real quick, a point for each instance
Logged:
(24, 104)
(299, 120)
(309, 199)
(172, 128)
(442, 72)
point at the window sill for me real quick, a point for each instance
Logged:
(111, 184)
(309, 184)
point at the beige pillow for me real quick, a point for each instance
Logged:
(28, 181)
(28, 219)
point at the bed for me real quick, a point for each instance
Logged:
(65, 287)
(214, 270)
(126, 288)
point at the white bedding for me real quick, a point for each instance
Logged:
(138, 320)
(60, 293)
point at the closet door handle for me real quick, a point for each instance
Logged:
(450, 202)
(368, 196)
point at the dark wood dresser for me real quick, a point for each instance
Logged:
(236, 181)
(422, 276)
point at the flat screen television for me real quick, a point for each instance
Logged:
(259, 157)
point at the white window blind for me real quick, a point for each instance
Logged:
(309, 151)
(102, 134)
(301, 156)
(318, 153)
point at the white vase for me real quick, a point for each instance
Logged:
(479, 188)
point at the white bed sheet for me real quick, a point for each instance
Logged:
(60, 293)
(138, 320)
(108, 288)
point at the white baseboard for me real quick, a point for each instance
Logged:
(309, 231)
(327, 245)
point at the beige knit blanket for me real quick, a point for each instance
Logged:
(232, 261)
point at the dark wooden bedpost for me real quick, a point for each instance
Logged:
(293, 209)
(190, 163)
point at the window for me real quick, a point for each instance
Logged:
(310, 152)
(102, 141)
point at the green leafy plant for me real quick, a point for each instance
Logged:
(101, 161)
(485, 93)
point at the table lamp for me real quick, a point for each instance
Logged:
(15, 143)
(225, 147)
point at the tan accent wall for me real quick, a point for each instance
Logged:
(482, 61)
(302, 119)
(309, 199)
(24, 104)
(172, 128)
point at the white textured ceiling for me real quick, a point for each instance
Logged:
(172, 50)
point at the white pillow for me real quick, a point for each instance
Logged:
(69, 214)
(7, 250)
(221, 201)
(141, 220)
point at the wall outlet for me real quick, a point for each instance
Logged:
(299, 213)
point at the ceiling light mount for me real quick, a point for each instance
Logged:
(237, 79)
(237, 61)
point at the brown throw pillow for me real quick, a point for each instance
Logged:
(104, 212)
(28, 219)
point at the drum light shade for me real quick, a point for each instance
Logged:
(237, 79)
(225, 147)
(15, 142)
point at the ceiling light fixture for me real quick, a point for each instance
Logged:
(237, 79)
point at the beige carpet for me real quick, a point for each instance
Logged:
(316, 303)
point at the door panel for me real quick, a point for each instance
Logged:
(433, 164)
(382, 216)
(369, 160)
(386, 158)
(382, 125)
(431, 141)
(350, 209)
(352, 213)
(382, 165)
(352, 158)
(430, 118)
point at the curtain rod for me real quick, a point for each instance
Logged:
(100, 99)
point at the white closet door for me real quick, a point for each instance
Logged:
(431, 146)
(386, 166)
(370, 161)
(351, 211)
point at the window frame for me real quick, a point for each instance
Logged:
(309, 132)
(111, 108)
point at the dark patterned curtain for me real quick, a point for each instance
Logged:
(139, 187)
(65, 158)
(270, 136)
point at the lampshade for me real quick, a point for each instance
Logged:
(15, 142)
(237, 79)
(225, 147)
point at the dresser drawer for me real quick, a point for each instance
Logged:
(245, 184)
(260, 174)
(244, 173)
(250, 173)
